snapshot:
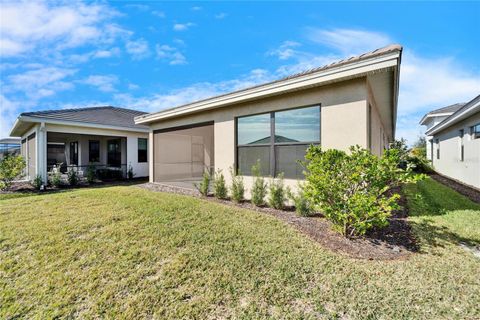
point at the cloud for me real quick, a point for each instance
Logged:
(8, 114)
(101, 82)
(285, 50)
(170, 54)
(183, 26)
(159, 14)
(40, 82)
(30, 25)
(139, 49)
(196, 8)
(221, 15)
(348, 41)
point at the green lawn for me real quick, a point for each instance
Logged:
(124, 252)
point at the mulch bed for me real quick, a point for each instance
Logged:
(393, 242)
(469, 192)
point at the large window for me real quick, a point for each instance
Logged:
(278, 140)
(114, 156)
(461, 134)
(94, 151)
(437, 142)
(142, 149)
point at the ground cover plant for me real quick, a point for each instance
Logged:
(123, 252)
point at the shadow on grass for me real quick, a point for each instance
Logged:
(32, 193)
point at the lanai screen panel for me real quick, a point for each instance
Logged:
(183, 154)
(31, 140)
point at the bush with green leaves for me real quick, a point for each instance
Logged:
(414, 158)
(238, 187)
(72, 177)
(203, 186)
(130, 173)
(11, 167)
(220, 190)
(303, 207)
(91, 174)
(277, 194)
(37, 182)
(259, 189)
(56, 179)
(354, 190)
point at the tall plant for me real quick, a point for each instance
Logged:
(11, 167)
(220, 190)
(277, 194)
(238, 187)
(259, 189)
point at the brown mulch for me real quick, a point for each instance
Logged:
(469, 192)
(393, 242)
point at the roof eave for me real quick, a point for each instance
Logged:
(31, 119)
(357, 68)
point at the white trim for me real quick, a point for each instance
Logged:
(350, 70)
(21, 119)
(433, 115)
(468, 109)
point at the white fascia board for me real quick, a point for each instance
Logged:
(76, 124)
(456, 117)
(433, 115)
(308, 80)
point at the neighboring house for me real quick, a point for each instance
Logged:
(9, 146)
(455, 144)
(106, 137)
(433, 118)
(350, 102)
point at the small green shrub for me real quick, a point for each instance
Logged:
(354, 191)
(72, 177)
(37, 182)
(238, 187)
(91, 174)
(130, 173)
(277, 193)
(303, 207)
(56, 179)
(414, 159)
(259, 189)
(204, 186)
(219, 186)
(11, 167)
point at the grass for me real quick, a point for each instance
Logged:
(124, 252)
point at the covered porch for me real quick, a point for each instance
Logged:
(107, 155)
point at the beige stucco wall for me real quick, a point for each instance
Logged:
(449, 164)
(379, 138)
(343, 119)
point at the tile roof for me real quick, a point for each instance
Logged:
(104, 115)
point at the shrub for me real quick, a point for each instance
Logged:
(91, 174)
(204, 186)
(303, 207)
(354, 190)
(37, 182)
(259, 189)
(72, 177)
(130, 173)
(415, 159)
(238, 188)
(10, 168)
(56, 179)
(277, 193)
(219, 186)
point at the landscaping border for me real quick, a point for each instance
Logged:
(468, 191)
(396, 241)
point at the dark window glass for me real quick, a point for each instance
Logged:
(248, 157)
(94, 151)
(142, 150)
(476, 131)
(286, 160)
(74, 153)
(254, 129)
(438, 148)
(297, 125)
(462, 151)
(114, 157)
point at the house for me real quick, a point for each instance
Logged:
(455, 144)
(433, 118)
(105, 137)
(349, 102)
(9, 146)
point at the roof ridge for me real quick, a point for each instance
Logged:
(55, 111)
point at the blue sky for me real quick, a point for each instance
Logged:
(155, 55)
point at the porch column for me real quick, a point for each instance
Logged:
(150, 156)
(42, 152)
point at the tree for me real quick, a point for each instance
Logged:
(10, 168)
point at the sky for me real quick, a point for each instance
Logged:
(155, 55)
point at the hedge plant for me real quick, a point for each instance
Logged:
(354, 190)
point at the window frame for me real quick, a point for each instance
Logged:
(90, 142)
(272, 144)
(473, 133)
(437, 142)
(73, 149)
(139, 150)
(461, 134)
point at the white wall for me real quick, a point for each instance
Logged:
(449, 164)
